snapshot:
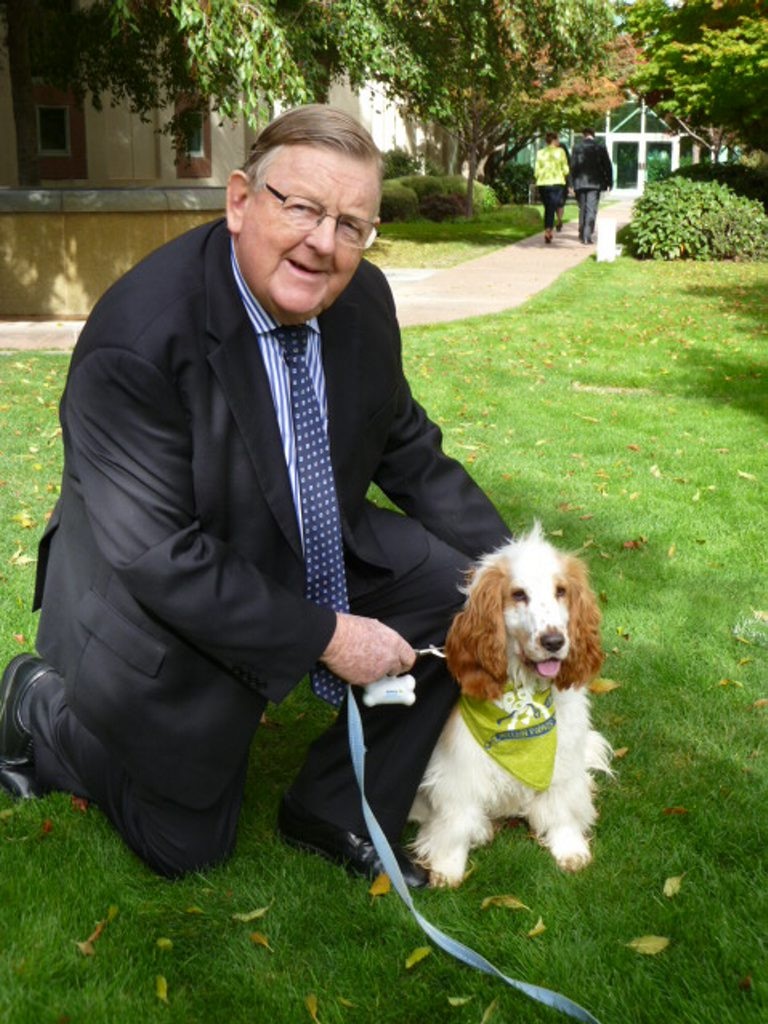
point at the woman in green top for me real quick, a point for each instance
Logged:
(551, 175)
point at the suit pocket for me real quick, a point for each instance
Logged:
(124, 638)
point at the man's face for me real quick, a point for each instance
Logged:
(296, 275)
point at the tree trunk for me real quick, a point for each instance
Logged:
(19, 14)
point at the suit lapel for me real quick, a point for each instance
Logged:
(238, 366)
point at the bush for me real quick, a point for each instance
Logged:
(484, 199)
(511, 182)
(426, 185)
(741, 178)
(398, 202)
(398, 162)
(439, 207)
(682, 219)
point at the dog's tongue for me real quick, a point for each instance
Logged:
(548, 668)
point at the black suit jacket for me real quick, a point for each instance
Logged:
(591, 166)
(171, 576)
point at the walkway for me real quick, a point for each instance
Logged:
(489, 284)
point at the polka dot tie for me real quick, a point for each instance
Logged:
(326, 582)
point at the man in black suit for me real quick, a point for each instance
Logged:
(171, 577)
(591, 174)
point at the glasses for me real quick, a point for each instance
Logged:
(306, 215)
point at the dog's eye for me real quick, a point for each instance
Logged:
(560, 592)
(519, 597)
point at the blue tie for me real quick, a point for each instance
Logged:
(326, 582)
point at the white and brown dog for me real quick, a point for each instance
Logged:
(519, 742)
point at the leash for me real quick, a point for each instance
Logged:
(456, 949)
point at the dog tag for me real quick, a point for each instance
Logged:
(390, 690)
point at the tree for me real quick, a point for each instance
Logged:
(705, 66)
(237, 56)
(466, 64)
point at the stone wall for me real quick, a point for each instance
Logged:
(60, 249)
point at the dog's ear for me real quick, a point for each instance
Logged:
(586, 652)
(476, 645)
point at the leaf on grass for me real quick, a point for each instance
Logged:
(731, 682)
(746, 476)
(311, 1004)
(417, 956)
(538, 929)
(194, 910)
(259, 939)
(761, 702)
(19, 558)
(655, 471)
(673, 811)
(79, 804)
(672, 886)
(381, 885)
(603, 685)
(251, 915)
(649, 945)
(161, 988)
(164, 944)
(87, 948)
(510, 902)
(459, 1000)
(760, 616)
(489, 1011)
(7, 813)
(347, 1003)
(620, 752)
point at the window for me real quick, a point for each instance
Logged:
(53, 131)
(194, 159)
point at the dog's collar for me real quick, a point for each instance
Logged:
(519, 731)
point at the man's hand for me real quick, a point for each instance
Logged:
(363, 650)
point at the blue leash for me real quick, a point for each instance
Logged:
(445, 942)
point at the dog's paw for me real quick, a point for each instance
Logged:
(439, 880)
(570, 849)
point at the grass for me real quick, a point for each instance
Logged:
(626, 408)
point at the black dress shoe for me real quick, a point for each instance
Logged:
(356, 853)
(22, 673)
(20, 783)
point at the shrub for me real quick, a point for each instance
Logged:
(741, 178)
(511, 182)
(425, 185)
(398, 162)
(682, 219)
(439, 207)
(484, 198)
(398, 202)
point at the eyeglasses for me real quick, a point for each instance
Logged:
(306, 215)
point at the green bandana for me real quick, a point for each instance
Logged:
(518, 731)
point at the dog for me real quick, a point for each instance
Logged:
(519, 742)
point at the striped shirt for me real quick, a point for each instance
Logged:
(278, 375)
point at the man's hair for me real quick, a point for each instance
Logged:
(589, 132)
(312, 125)
(551, 136)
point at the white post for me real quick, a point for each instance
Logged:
(606, 239)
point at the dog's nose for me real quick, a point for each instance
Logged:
(552, 641)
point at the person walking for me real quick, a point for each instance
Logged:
(551, 176)
(591, 174)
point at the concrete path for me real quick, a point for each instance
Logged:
(489, 284)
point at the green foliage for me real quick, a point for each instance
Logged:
(511, 182)
(398, 163)
(705, 63)
(742, 178)
(683, 219)
(398, 202)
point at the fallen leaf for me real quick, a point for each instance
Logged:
(675, 810)
(538, 929)
(381, 885)
(603, 685)
(87, 948)
(649, 945)
(459, 1000)
(194, 910)
(259, 939)
(746, 983)
(490, 1010)
(620, 752)
(510, 902)
(672, 886)
(251, 915)
(311, 1004)
(79, 804)
(164, 944)
(747, 476)
(161, 988)
(731, 682)
(761, 702)
(417, 956)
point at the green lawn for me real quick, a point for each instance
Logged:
(626, 408)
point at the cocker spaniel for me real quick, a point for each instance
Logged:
(519, 742)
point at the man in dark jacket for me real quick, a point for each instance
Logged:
(173, 578)
(591, 174)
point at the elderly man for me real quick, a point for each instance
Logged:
(228, 405)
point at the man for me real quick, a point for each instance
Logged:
(591, 173)
(176, 600)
